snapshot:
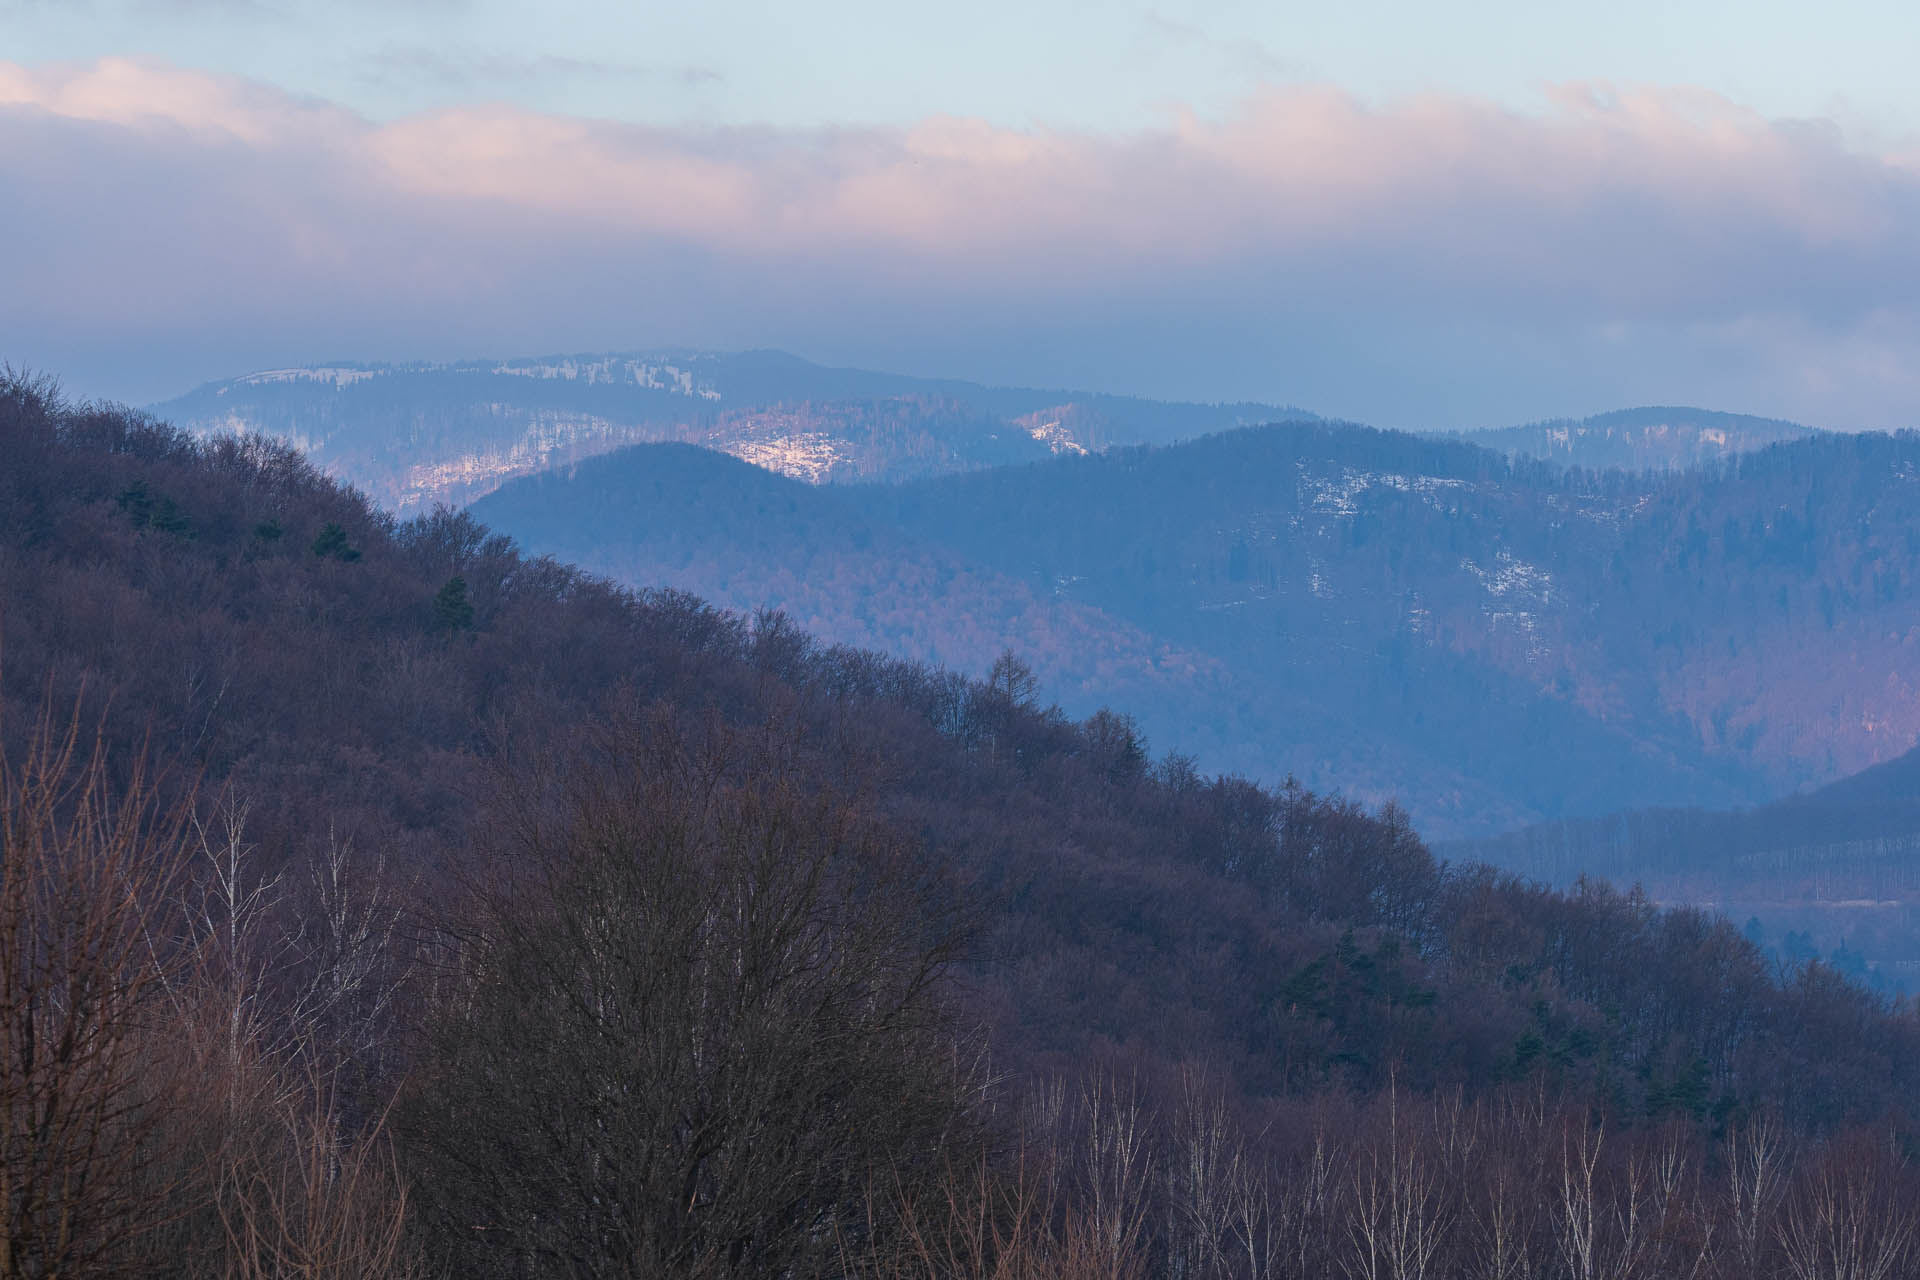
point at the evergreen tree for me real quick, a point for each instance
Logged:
(332, 541)
(451, 608)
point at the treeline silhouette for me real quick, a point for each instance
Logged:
(378, 900)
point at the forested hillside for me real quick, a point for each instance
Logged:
(1095, 1004)
(480, 917)
(1490, 642)
(1833, 873)
(414, 435)
(1648, 439)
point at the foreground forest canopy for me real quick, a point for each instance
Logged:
(380, 900)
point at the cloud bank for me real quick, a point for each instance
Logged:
(1439, 261)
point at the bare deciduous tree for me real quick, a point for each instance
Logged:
(1602, 1224)
(1848, 1220)
(297, 1199)
(1398, 1214)
(1756, 1172)
(90, 873)
(347, 949)
(1203, 1172)
(1116, 1171)
(691, 1032)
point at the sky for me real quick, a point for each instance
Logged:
(1409, 214)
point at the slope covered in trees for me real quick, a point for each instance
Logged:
(1490, 642)
(412, 435)
(1829, 873)
(1646, 439)
(529, 925)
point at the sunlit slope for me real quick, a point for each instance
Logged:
(413, 435)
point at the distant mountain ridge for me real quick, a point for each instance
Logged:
(412, 435)
(1307, 597)
(1492, 641)
(1655, 438)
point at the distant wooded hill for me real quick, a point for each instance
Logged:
(411, 435)
(1649, 439)
(1491, 641)
(1834, 872)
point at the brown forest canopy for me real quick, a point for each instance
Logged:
(354, 678)
(339, 679)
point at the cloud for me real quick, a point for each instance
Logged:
(1439, 260)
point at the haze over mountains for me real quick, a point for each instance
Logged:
(1489, 639)
(413, 435)
(1491, 643)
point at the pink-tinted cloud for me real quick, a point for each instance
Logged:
(1438, 259)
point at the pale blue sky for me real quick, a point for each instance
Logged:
(1058, 63)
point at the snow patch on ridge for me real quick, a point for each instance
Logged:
(1516, 589)
(613, 372)
(808, 455)
(1055, 437)
(1339, 495)
(338, 376)
(1511, 577)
